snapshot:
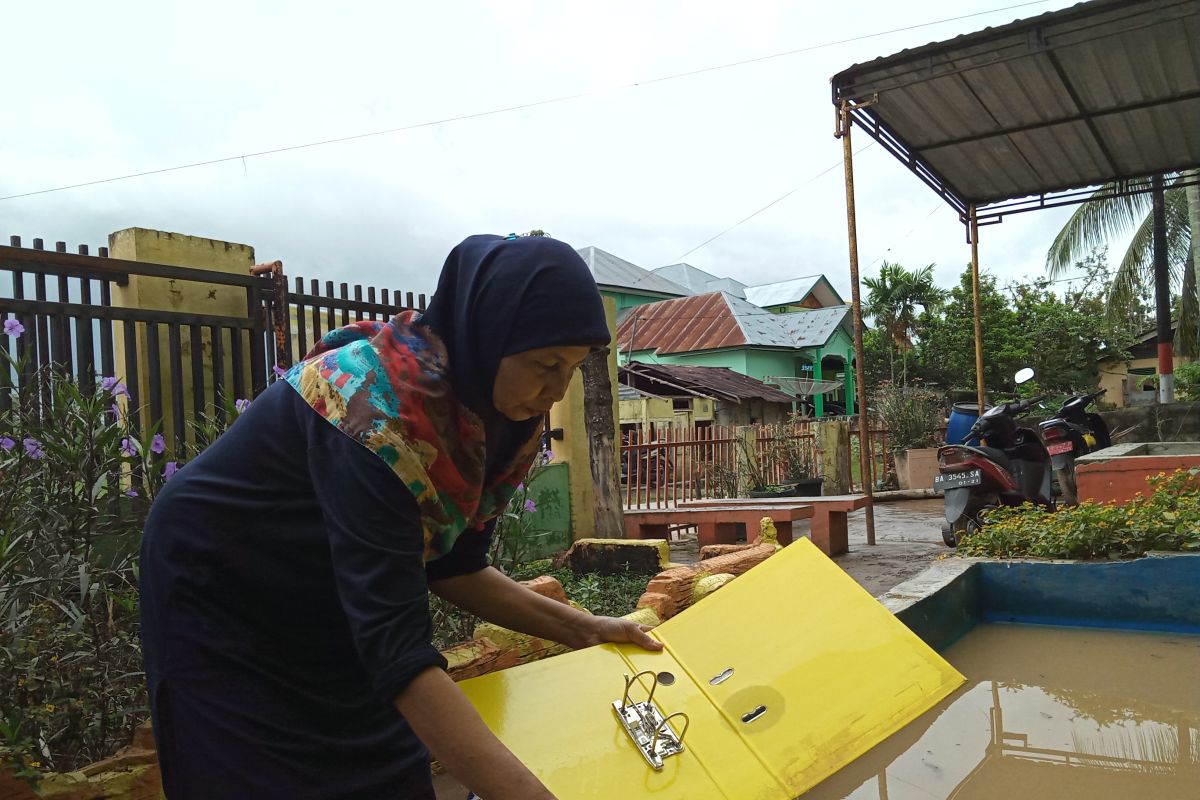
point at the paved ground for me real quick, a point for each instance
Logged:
(907, 535)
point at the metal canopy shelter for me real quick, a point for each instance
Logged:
(1027, 116)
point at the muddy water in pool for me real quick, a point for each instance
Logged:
(1060, 713)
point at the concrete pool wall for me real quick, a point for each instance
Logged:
(1160, 592)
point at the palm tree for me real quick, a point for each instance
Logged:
(1097, 221)
(892, 301)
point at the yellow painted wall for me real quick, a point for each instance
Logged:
(1115, 377)
(574, 448)
(175, 249)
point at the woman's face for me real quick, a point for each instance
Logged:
(528, 383)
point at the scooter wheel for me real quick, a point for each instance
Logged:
(949, 535)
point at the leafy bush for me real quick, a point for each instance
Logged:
(603, 595)
(76, 483)
(910, 414)
(1187, 380)
(1167, 519)
(517, 531)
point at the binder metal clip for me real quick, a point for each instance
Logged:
(650, 731)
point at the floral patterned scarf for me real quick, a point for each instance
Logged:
(387, 385)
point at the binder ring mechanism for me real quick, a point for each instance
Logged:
(650, 731)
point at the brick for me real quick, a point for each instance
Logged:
(675, 587)
(709, 584)
(547, 586)
(477, 657)
(614, 556)
(714, 550)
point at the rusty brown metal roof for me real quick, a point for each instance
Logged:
(703, 322)
(666, 380)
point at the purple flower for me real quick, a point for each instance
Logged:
(530, 506)
(128, 448)
(158, 445)
(108, 382)
(116, 409)
(131, 493)
(13, 328)
(7, 443)
(547, 456)
(170, 469)
(242, 405)
(520, 487)
(115, 386)
(33, 447)
(279, 371)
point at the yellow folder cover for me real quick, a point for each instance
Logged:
(786, 675)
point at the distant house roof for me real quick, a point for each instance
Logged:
(674, 380)
(813, 328)
(719, 320)
(697, 281)
(612, 272)
(794, 292)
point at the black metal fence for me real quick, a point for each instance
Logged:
(175, 364)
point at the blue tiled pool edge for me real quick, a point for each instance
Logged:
(1160, 592)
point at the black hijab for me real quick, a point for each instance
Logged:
(501, 296)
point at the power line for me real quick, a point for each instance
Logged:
(520, 107)
(779, 199)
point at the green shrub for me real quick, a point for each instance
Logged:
(76, 483)
(1167, 520)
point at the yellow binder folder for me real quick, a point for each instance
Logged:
(767, 687)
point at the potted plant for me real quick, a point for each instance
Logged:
(910, 414)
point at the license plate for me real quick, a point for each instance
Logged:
(1058, 448)
(958, 480)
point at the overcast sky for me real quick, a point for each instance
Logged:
(647, 172)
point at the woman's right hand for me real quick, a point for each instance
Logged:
(446, 722)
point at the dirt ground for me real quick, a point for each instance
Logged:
(907, 538)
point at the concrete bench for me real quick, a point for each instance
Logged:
(829, 529)
(716, 524)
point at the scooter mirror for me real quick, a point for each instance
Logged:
(1024, 375)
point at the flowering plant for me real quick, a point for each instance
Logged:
(76, 483)
(519, 527)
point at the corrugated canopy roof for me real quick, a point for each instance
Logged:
(617, 273)
(1101, 91)
(720, 320)
(674, 380)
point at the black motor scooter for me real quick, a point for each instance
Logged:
(1071, 433)
(1008, 468)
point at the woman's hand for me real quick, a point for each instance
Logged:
(620, 631)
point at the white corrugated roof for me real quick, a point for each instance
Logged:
(794, 291)
(611, 271)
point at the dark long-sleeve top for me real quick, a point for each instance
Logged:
(285, 605)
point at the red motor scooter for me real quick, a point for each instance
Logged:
(1009, 467)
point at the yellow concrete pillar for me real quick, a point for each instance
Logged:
(574, 448)
(174, 249)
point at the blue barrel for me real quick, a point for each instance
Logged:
(962, 417)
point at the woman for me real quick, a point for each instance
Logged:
(285, 571)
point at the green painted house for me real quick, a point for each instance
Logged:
(627, 283)
(720, 329)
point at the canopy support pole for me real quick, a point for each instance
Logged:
(1162, 296)
(974, 218)
(865, 452)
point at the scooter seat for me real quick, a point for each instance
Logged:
(992, 454)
